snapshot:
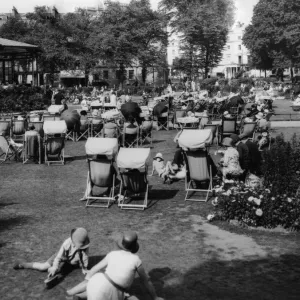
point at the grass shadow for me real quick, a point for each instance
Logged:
(7, 224)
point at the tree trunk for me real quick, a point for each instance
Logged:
(292, 72)
(265, 73)
(144, 74)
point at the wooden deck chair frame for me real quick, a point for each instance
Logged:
(61, 155)
(204, 175)
(124, 203)
(223, 129)
(25, 149)
(106, 200)
(8, 151)
(215, 131)
(163, 120)
(85, 133)
(250, 127)
(132, 133)
(146, 134)
(94, 128)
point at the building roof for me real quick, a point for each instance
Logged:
(14, 49)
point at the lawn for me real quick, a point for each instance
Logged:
(186, 257)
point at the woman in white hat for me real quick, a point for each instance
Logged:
(118, 268)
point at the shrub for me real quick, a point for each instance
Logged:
(256, 207)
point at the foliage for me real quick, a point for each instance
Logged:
(21, 99)
(281, 166)
(273, 38)
(256, 206)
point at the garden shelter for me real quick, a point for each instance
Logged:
(17, 58)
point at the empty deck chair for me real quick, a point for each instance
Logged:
(198, 166)
(130, 136)
(101, 154)
(9, 150)
(146, 131)
(133, 170)
(84, 130)
(227, 127)
(18, 130)
(54, 140)
(32, 146)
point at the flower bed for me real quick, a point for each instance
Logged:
(272, 202)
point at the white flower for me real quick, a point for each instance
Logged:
(268, 191)
(250, 199)
(215, 202)
(259, 212)
(210, 217)
(273, 198)
(261, 196)
(257, 201)
(289, 200)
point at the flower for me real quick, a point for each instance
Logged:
(261, 196)
(259, 212)
(210, 217)
(257, 201)
(289, 200)
(250, 199)
(268, 191)
(273, 198)
(215, 202)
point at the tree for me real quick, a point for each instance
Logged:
(204, 27)
(273, 38)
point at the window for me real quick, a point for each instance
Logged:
(105, 74)
(240, 60)
(228, 47)
(173, 52)
(239, 37)
(130, 74)
(240, 47)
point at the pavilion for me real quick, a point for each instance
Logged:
(18, 62)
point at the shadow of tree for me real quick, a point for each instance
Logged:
(6, 224)
(268, 279)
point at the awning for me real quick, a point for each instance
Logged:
(72, 74)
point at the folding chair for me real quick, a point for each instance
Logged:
(5, 127)
(101, 154)
(18, 130)
(110, 129)
(130, 136)
(194, 144)
(96, 127)
(32, 146)
(49, 118)
(9, 150)
(84, 130)
(38, 127)
(227, 127)
(133, 170)
(249, 129)
(54, 140)
(163, 120)
(214, 128)
(146, 132)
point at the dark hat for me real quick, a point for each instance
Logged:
(235, 138)
(129, 242)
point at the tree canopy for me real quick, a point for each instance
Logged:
(273, 38)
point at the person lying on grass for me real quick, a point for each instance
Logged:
(74, 252)
(112, 276)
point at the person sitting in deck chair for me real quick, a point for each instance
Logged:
(73, 251)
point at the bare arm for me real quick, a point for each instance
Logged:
(147, 283)
(98, 267)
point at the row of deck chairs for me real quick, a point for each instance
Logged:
(104, 163)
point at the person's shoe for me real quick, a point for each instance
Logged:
(18, 266)
(51, 281)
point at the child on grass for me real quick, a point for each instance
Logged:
(74, 251)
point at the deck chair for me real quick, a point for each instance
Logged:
(96, 127)
(49, 118)
(249, 129)
(130, 136)
(5, 127)
(194, 144)
(32, 146)
(228, 127)
(101, 154)
(110, 129)
(146, 132)
(163, 120)
(179, 113)
(18, 130)
(38, 127)
(84, 130)
(133, 169)
(54, 141)
(214, 128)
(9, 150)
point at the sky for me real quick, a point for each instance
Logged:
(243, 13)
